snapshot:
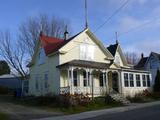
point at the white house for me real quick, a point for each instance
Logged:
(82, 64)
(151, 63)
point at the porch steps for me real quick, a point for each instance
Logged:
(119, 97)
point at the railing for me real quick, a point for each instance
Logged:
(64, 90)
(84, 90)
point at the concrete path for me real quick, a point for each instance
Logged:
(92, 114)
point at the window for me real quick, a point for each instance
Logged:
(144, 80)
(101, 80)
(41, 57)
(88, 78)
(138, 82)
(117, 60)
(84, 78)
(46, 80)
(86, 52)
(131, 80)
(148, 81)
(126, 83)
(36, 80)
(75, 82)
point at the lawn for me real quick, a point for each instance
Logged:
(3, 116)
(50, 104)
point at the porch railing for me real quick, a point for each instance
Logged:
(84, 90)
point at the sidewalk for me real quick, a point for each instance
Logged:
(91, 114)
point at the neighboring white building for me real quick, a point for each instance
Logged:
(81, 64)
(151, 63)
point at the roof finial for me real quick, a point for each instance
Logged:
(116, 38)
(86, 15)
(66, 33)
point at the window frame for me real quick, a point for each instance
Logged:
(148, 81)
(138, 80)
(131, 81)
(46, 85)
(86, 53)
(144, 80)
(75, 78)
(126, 80)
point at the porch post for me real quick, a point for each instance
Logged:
(107, 86)
(87, 80)
(72, 80)
(69, 80)
(103, 81)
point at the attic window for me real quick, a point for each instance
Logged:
(87, 52)
(41, 56)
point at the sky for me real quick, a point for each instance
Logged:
(137, 24)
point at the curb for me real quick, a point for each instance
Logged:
(90, 114)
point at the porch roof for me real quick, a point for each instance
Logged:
(84, 63)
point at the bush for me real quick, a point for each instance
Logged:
(140, 97)
(4, 90)
(68, 100)
(109, 99)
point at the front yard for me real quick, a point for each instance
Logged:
(54, 104)
(3, 116)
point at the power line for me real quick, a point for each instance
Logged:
(122, 6)
(139, 26)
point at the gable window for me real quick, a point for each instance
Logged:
(148, 81)
(86, 52)
(75, 77)
(131, 80)
(144, 80)
(126, 83)
(117, 60)
(138, 81)
(41, 56)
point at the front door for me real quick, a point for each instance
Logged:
(115, 82)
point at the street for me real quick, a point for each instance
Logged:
(147, 113)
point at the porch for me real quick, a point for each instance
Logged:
(94, 79)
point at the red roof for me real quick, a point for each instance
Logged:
(51, 44)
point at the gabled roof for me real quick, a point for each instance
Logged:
(52, 44)
(112, 49)
(141, 63)
(157, 55)
(116, 47)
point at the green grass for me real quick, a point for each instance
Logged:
(3, 116)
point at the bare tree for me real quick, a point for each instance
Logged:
(29, 30)
(14, 54)
(19, 53)
(132, 58)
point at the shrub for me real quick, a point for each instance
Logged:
(108, 99)
(140, 97)
(69, 100)
(4, 90)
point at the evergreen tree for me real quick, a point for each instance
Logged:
(4, 68)
(157, 82)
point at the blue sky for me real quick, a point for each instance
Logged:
(136, 13)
